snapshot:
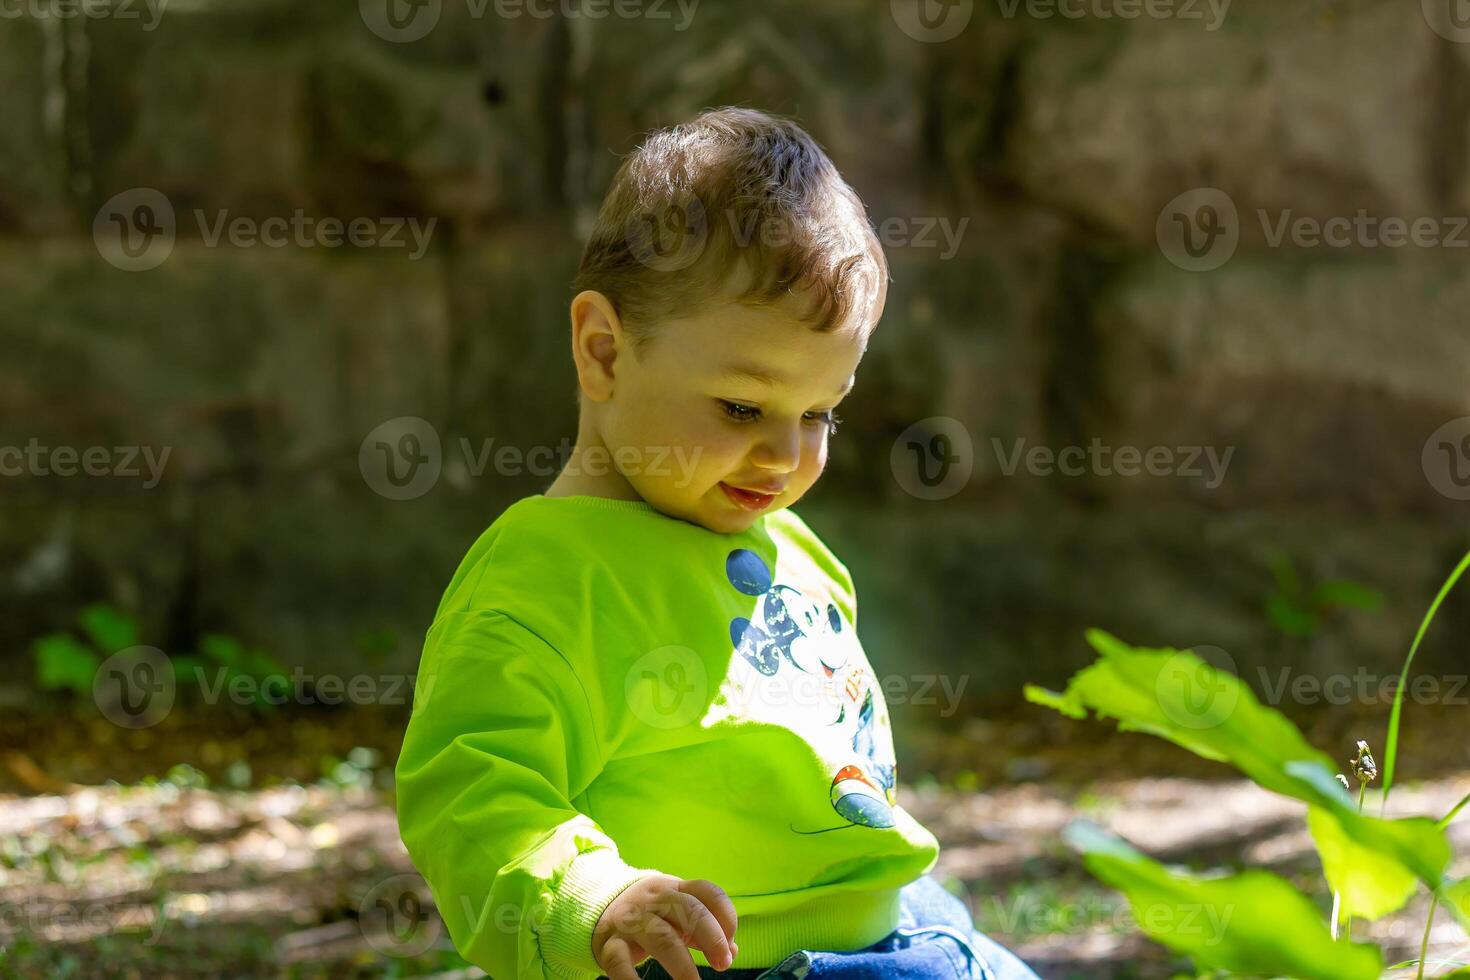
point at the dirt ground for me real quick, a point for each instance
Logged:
(264, 844)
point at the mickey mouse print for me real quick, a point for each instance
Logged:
(798, 663)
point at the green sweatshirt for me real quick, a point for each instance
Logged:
(607, 692)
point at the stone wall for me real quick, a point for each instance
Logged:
(1066, 310)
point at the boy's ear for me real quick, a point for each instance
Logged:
(597, 339)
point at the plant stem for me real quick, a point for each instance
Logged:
(1448, 817)
(1348, 931)
(1391, 752)
(1424, 945)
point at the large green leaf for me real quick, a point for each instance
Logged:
(1455, 896)
(1371, 884)
(1252, 923)
(64, 664)
(1176, 695)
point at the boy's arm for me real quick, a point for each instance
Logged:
(500, 740)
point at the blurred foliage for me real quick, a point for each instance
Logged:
(1298, 610)
(64, 662)
(1373, 865)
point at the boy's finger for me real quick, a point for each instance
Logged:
(714, 899)
(617, 960)
(660, 939)
(694, 920)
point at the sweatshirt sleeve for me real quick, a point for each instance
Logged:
(500, 741)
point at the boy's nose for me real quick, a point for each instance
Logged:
(779, 450)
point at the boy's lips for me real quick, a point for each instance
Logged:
(751, 499)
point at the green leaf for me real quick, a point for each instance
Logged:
(222, 649)
(1177, 696)
(109, 629)
(1286, 577)
(1371, 884)
(1455, 896)
(1289, 617)
(1345, 594)
(1068, 706)
(1252, 923)
(260, 664)
(64, 664)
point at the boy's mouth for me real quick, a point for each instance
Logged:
(749, 499)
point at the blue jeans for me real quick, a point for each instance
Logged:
(935, 940)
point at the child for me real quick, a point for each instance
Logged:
(644, 722)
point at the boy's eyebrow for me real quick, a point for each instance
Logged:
(743, 373)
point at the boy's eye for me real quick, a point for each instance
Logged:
(749, 413)
(829, 419)
(739, 412)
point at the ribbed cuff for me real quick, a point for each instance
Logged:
(592, 881)
(842, 921)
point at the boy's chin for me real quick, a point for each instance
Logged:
(714, 512)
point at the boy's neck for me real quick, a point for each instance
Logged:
(596, 477)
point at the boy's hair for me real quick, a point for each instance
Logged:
(734, 203)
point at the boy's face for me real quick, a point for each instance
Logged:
(739, 400)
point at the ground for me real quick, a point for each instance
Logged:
(162, 854)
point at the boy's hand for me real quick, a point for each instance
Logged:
(661, 916)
